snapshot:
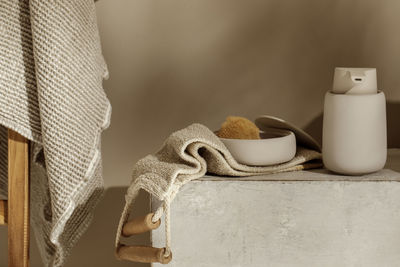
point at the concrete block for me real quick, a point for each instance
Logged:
(309, 218)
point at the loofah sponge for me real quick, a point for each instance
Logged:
(238, 128)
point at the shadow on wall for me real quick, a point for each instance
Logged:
(314, 128)
(96, 247)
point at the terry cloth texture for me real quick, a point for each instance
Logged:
(187, 155)
(51, 72)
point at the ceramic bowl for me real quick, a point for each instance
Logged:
(275, 146)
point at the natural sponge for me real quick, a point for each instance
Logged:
(238, 128)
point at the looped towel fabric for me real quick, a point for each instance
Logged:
(189, 154)
(51, 72)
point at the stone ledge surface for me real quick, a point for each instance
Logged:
(308, 218)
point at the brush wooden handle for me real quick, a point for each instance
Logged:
(143, 254)
(140, 225)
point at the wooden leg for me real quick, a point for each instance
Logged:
(18, 200)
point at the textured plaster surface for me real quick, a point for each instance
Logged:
(286, 223)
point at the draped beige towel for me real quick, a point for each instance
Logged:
(187, 155)
(51, 71)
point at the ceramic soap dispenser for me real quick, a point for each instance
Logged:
(354, 138)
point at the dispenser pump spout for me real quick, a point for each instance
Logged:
(355, 81)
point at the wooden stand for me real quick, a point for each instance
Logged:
(15, 211)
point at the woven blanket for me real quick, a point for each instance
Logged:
(51, 72)
(187, 155)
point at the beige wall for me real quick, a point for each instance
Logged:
(174, 62)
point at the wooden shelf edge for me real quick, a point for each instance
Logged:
(3, 212)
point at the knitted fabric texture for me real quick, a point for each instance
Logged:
(187, 155)
(51, 72)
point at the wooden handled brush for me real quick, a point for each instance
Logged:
(140, 225)
(143, 254)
